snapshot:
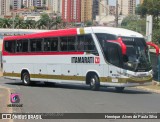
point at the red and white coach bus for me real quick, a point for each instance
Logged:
(96, 56)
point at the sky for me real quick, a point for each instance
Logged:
(113, 2)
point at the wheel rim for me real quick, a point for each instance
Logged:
(26, 79)
(93, 81)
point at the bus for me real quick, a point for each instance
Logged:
(93, 56)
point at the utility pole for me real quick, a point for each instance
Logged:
(116, 13)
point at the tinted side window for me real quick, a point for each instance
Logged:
(36, 45)
(112, 54)
(54, 44)
(68, 43)
(10, 46)
(50, 44)
(25, 46)
(71, 43)
(19, 46)
(64, 44)
(102, 37)
(22, 46)
(86, 43)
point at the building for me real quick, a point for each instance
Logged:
(16, 4)
(112, 10)
(30, 3)
(71, 10)
(103, 8)
(126, 7)
(95, 9)
(103, 17)
(141, 1)
(86, 10)
(4, 7)
(55, 6)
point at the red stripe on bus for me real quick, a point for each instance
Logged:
(55, 33)
(42, 53)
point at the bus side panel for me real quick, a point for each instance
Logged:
(40, 72)
(53, 71)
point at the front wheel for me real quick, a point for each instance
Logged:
(119, 89)
(94, 83)
(26, 79)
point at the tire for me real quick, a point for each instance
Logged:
(26, 79)
(119, 89)
(94, 83)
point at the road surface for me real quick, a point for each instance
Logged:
(80, 99)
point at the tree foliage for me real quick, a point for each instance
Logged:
(135, 23)
(149, 7)
(45, 22)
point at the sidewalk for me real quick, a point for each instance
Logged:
(4, 100)
(155, 87)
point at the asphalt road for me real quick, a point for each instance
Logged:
(80, 99)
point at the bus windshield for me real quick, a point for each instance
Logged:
(137, 56)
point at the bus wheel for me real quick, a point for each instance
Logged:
(94, 83)
(26, 79)
(119, 89)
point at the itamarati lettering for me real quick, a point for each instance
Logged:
(82, 59)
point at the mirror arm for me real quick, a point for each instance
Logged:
(122, 45)
(155, 46)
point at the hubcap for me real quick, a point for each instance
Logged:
(93, 82)
(26, 79)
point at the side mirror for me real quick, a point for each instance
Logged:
(155, 46)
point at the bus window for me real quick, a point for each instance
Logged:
(47, 44)
(89, 43)
(64, 44)
(86, 43)
(71, 43)
(113, 55)
(103, 37)
(36, 45)
(54, 44)
(10, 46)
(25, 46)
(51, 44)
(81, 42)
(19, 46)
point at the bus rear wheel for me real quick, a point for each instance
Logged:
(119, 89)
(94, 83)
(26, 79)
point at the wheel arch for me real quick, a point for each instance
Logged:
(24, 70)
(90, 73)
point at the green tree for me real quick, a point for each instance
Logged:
(135, 23)
(89, 23)
(6, 23)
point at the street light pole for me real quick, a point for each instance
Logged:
(116, 13)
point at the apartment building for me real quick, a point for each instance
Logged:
(127, 7)
(30, 3)
(71, 10)
(95, 9)
(86, 10)
(54, 5)
(4, 7)
(16, 4)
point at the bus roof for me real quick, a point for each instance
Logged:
(117, 31)
(75, 31)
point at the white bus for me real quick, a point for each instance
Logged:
(95, 56)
